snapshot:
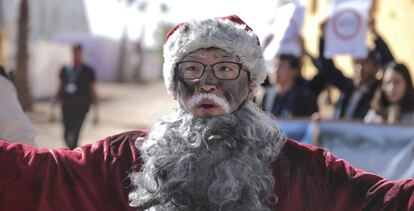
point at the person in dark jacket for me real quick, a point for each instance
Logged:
(357, 92)
(76, 92)
(289, 94)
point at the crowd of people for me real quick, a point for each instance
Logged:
(380, 90)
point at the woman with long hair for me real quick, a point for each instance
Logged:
(394, 99)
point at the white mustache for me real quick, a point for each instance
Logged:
(194, 100)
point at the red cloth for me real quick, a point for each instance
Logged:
(94, 177)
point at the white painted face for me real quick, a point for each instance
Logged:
(393, 86)
(208, 95)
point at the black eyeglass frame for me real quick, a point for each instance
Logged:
(240, 65)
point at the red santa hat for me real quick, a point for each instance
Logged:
(228, 33)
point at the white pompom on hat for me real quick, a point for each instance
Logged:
(228, 33)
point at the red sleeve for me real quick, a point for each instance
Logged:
(92, 177)
(310, 178)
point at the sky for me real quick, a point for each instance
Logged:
(110, 17)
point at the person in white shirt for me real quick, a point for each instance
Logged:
(15, 126)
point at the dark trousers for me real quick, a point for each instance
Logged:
(73, 117)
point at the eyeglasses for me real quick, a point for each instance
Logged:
(221, 70)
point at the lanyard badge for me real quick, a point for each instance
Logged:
(71, 88)
(72, 74)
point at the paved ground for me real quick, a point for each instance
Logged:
(123, 107)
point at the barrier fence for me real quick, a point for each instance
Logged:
(386, 150)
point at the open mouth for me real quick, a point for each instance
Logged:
(207, 106)
(208, 102)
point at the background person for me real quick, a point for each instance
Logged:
(394, 99)
(288, 96)
(76, 92)
(355, 93)
(286, 93)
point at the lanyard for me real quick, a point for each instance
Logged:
(72, 74)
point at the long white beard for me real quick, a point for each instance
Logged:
(218, 163)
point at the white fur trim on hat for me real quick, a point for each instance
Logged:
(222, 33)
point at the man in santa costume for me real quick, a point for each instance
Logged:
(217, 151)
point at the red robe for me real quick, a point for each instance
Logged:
(95, 177)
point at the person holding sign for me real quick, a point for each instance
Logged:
(75, 94)
(357, 92)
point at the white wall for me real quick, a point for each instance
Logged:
(46, 60)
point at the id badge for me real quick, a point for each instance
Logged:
(71, 88)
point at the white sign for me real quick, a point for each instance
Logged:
(346, 28)
(286, 29)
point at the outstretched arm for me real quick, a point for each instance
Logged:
(382, 51)
(327, 68)
(91, 177)
(309, 177)
(318, 83)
